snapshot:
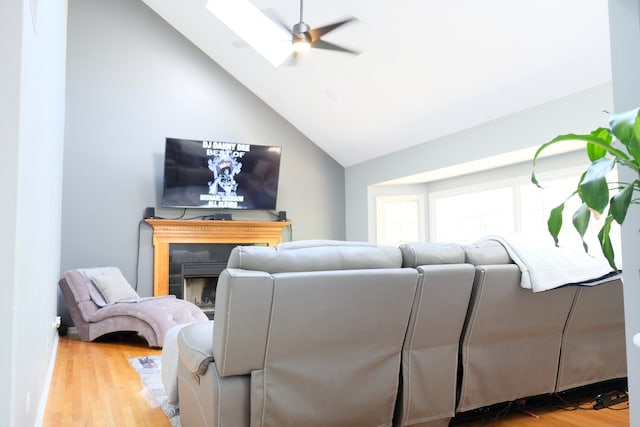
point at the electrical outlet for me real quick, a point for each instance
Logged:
(56, 322)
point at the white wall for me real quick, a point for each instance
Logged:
(624, 16)
(530, 128)
(32, 111)
(11, 24)
(133, 80)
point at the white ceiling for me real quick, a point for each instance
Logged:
(427, 68)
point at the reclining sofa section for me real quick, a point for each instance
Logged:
(304, 336)
(323, 333)
(430, 353)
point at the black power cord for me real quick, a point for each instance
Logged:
(604, 400)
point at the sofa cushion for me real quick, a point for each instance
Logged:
(487, 252)
(113, 288)
(415, 254)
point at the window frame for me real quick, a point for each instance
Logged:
(381, 200)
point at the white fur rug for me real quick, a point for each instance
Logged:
(149, 370)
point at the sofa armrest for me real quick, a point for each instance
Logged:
(243, 312)
(195, 346)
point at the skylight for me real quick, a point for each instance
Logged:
(250, 24)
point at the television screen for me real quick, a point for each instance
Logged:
(224, 175)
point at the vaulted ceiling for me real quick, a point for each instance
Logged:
(427, 68)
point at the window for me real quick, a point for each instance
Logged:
(466, 214)
(400, 219)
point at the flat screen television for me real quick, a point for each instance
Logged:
(220, 175)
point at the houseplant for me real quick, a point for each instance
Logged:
(619, 144)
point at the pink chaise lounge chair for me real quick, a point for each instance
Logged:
(101, 301)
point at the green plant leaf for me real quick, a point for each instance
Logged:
(620, 202)
(626, 127)
(581, 222)
(593, 187)
(597, 138)
(594, 151)
(605, 242)
(554, 223)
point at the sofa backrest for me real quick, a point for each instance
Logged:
(593, 343)
(430, 355)
(512, 336)
(315, 255)
(319, 327)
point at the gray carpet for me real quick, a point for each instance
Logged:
(149, 368)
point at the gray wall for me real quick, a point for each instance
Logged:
(624, 16)
(530, 128)
(132, 80)
(31, 131)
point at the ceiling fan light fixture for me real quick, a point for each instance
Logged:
(301, 46)
(301, 43)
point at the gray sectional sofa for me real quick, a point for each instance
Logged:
(329, 333)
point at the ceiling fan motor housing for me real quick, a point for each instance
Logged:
(301, 31)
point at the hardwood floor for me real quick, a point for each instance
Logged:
(94, 385)
(557, 415)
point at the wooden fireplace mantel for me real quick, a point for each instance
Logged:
(167, 231)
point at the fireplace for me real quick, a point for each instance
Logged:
(193, 236)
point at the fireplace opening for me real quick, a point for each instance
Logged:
(201, 291)
(200, 282)
(194, 271)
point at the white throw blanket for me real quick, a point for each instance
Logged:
(170, 361)
(547, 267)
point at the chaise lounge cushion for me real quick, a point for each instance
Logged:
(114, 288)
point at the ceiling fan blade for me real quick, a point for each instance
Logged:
(321, 44)
(316, 33)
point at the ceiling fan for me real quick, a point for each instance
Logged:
(303, 37)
